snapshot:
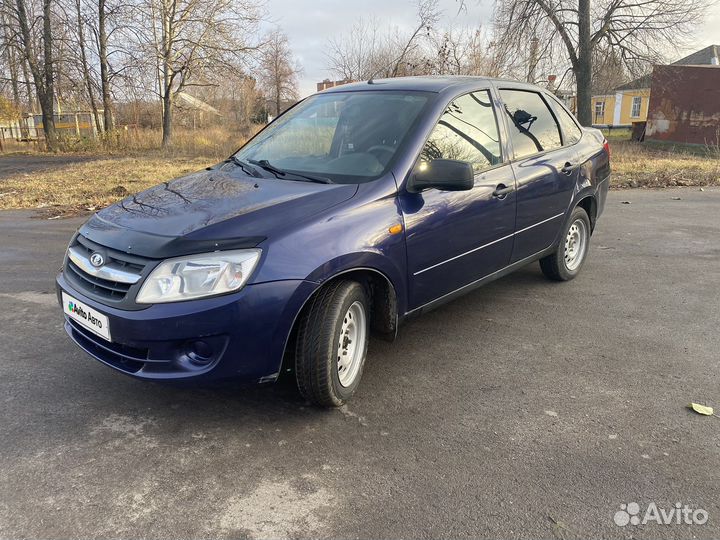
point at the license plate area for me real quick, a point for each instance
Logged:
(86, 316)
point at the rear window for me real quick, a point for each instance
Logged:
(533, 127)
(571, 131)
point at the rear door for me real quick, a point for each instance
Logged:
(545, 169)
(456, 237)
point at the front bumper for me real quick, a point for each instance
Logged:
(240, 336)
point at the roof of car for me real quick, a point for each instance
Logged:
(427, 83)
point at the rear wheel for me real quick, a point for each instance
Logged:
(331, 343)
(566, 262)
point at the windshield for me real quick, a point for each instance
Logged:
(347, 137)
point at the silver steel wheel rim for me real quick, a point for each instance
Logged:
(575, 244)
(351, 344)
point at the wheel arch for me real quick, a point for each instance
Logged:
(588, 202)
(384, 313)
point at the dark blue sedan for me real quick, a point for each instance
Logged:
(354, 210)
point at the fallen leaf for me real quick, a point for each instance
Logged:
(702, 409)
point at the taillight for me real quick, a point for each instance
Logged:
(606, 147)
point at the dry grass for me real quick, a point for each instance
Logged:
(643, 165)
(215, 142)
(128, 161)
(87, 186)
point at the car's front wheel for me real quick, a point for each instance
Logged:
(566, 262)
(331, 343)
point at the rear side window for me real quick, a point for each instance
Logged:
(467, 131)
(533, 127)
(571, 131)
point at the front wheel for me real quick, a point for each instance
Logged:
(332, 343)
(566, 262)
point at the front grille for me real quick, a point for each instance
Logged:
(102, 287)
(99, 287)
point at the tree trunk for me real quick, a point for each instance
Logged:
(167, 76)
(86, 70)
(49, 108)
(583, 68)
(12, 63)
(31, 97)
(104, 67)
(167, 118)
(43, 79)
(278, 98)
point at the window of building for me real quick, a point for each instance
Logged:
(467, 131)
(599, 112)
(533, 127)
(636, 105)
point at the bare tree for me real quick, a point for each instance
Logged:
(41, 66)
(102, 39)
(608, 72)
(10, 56)
(635, 30)
(460, 51)
(367, 51)
(427, 17)
(278, 71)
(359, 53)
(85, 66)
(194, 41)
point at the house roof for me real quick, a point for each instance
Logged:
(637, 84)
(708, 56)
(192, 102)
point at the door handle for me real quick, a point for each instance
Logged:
(502, 190)
(568, 168)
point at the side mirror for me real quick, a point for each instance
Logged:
(442, 174)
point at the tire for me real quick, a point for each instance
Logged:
(568, 259)
(331, 343)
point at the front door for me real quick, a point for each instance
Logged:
(457, 237)
(546, 171)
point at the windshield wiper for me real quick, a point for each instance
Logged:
(265, 164)
(244, 165)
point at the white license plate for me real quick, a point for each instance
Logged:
(88, 317)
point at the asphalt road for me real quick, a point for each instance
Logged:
(526, 409)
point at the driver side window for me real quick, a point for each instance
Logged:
(467, 131)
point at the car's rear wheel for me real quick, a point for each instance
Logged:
(566, 262)
(331, 343)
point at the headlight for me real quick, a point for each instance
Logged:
(196, 276)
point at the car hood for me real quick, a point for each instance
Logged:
(209, 210)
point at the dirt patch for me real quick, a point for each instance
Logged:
(281, 509)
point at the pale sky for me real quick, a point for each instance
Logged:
(309, 25)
